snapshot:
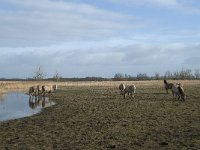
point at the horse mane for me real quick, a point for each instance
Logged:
(165, 82)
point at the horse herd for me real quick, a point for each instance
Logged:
(177, 90)
(42, 90)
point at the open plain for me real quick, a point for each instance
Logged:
(93, 115)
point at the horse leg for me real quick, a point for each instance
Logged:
(124, 94)
(35, 93)
(44, 94)
(182, 97)
(49, 93)
(132, 95)
(179, 97)
(121, 92)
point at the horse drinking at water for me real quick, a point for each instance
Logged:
(39, 89)
(33, 91)
(49, 89)
(46, 89)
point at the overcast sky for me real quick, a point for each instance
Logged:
(83, 38)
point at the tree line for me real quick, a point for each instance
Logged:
(184, 74)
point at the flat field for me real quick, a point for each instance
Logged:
(93, 115)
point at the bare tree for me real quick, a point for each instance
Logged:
(39, 73)
(168, 75)
(157, 76)
(176, 75)
(118, 76)
(57, 76)
(185, 74)
(197, 74)
(142, 76)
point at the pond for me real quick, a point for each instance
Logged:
(15, 105)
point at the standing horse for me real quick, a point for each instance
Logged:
(49, 89)
(39, 89)
(33, 91)
(121, 88)
(130, 90)
(167, 85)
(178, 92)
(46, 89)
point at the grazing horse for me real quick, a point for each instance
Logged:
(33, 91)
(46, 89)
(178, 91)
(121, 88)
(130, 90)
(167, 85)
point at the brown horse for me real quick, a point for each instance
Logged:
(32, 91)
(167, 85)
(46, 89)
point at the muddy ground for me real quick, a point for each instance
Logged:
(99, 118)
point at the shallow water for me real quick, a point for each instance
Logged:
(15, 105)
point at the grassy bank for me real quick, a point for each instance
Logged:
(93, 115)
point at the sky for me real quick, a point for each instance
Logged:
(81, 38)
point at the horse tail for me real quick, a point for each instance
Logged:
(180, 89)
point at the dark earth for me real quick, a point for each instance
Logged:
(98, 117)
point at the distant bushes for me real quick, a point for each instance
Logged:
(184, 74)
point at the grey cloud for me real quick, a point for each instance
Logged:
(100, 60)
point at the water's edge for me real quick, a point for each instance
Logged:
(16, 105)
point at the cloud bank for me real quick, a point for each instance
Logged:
(83, 39)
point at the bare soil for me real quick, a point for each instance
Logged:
(97, 117)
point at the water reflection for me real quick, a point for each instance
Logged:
(39, 101)
(2, 95)
(17, 105)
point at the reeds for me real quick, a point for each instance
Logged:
(6, 86)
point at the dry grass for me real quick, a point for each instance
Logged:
(23, 85)
(6, 86)
(93, 115)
